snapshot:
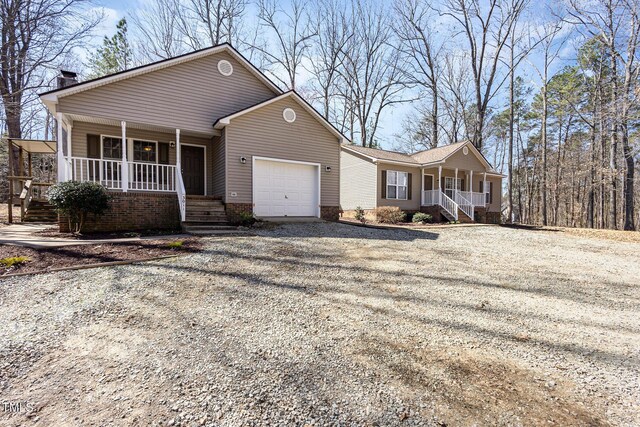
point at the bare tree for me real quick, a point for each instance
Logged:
(372, 70)
(487, 28)
(36, 35)
(417, 41)
(293, 34)
(158, 31)
(327, 53)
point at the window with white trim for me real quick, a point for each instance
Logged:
(111, 148)
(145, 151)
(397, 185)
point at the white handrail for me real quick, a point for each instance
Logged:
(476, 199)
(463, 203)
(151, 177)
(449, 205)
(182, 194)
(103, 171)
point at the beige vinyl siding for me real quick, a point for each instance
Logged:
(496, 204)
(357, 181)
(462, 162)
(409, 205)
(80, 130)
(191, 95)
(264, 133)
(218, 162)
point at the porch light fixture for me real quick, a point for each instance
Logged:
(147, 148)
(327, 168)
(172, 144)
(243, 160)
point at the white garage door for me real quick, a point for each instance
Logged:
(285, 189)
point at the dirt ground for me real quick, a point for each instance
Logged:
(331, 324)
(4, 214)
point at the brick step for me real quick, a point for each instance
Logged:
(201, 218)
(205, 209)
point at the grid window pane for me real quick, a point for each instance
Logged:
(391, 192)
(111, 148)
(402, 192)
(391, 178)
(144, 151)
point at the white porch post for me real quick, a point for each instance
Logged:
(422, 186)
(471, 190)
(125, 165)
(69, 130)
(455, 182)
(62, 165)
(484, 188)
(178, 154)
(439, 185)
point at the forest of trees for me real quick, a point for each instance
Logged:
(547, 92)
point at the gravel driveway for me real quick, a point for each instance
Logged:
(334, 324)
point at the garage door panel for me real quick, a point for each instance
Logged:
(285, 189)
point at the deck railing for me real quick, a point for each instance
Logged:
(463, 203)
(476, 199)
(449, 205)
(142, 176)
(430, 197)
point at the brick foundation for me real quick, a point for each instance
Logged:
(235, 209)
(330, 213)
(485, 217)
(434, 211)
(134, 211)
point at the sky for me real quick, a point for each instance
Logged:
(391, 122)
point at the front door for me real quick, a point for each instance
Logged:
(193, 169)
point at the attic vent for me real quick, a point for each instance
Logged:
(289, 115)
(225, 67)
(465, 151)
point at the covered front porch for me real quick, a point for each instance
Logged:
(131, 156)
(452, 190)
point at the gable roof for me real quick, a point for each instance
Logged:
(423, 158)
(376, 154)
(52, 95)
(224, 121)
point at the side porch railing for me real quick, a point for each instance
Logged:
(439, 198)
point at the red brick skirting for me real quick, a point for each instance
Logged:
(330, 213)
(134, 211)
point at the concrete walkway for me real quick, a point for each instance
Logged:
(26, 235)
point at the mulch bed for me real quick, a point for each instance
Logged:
(53, 231)
(79, 255)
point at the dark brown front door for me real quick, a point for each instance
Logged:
(193, 169)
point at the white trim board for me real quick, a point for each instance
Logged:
(272, 159)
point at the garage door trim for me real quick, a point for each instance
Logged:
(272, 159)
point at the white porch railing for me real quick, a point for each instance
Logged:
(449, 205)
(142, 176)
(463, 203)
(152, 177)
(105, 172)
(430, 197)
(182, 195)
(476, 199)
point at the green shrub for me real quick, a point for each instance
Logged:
(77, 199)
(175, 245)
(14, 260)
(247, 219)
(360, 215)
(422, 218)
(390, 215)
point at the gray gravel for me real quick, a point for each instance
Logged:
(327, 324)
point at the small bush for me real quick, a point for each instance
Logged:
(175, 245)
(247, 219)
(360, 215)
(14, 260)
(422, 218)
(390, 215)
(77, 199)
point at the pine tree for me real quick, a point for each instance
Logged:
(114, 55)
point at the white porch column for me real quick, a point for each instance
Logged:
(422, 186)
(440, 185)
(69, 130)
(125, 164)
(484, 188)
(471, 190)
(455, 181)
(62, 165)
(178, 154)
